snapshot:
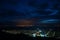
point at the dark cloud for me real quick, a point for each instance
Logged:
(16, 10)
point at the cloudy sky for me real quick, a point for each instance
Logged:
(39, 11)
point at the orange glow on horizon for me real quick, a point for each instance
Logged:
(24, 23)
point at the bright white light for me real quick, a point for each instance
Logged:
(34, 35)
(42, 35)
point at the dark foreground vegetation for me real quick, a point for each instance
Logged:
(7, 36)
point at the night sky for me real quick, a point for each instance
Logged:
(30, 11)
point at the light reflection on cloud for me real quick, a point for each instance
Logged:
(49, 21)
(54, 12)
